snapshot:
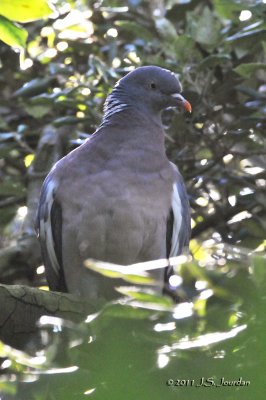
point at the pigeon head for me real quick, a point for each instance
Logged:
(150, 89)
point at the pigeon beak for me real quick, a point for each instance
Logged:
(186, 104)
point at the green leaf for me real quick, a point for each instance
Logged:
(19, 357)
(204, 29)
(44, 99)
(126, 311)
(229, 9)
(259, 270)
(204, 153)
(133, 29)
(24, 10)
(8, 388)
(145, 295)
(12, 34)
(185, 49)
(246, 70)
(69, 120)
(37, 111)
(165, 28)
(120, 271)
(213, 60)
(34, 87)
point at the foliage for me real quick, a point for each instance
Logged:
(72, 61)
(20, 11)
(144, 344)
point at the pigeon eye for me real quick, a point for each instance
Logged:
(153, 85)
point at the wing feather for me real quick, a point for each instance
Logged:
(49, 226)
(178, 224)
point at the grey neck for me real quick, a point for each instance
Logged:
(118, 101)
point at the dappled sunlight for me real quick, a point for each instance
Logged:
(20, 357)
(138, 268)
(183, 310)
(202, 340)
(162, 360)
(76, 25)
(245, 15)
(22, 212)
(52, 371)
(143, 325)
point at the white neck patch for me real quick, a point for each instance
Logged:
(113, 106)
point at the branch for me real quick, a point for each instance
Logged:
(25, 305)
(10, 201)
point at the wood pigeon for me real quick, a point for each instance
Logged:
(116, 198)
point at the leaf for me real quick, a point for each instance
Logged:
(185, 49)
(228, 9)
(126, 311)
(165, 28)
(205, 152)
(250, 92)
(245, 35)
(248, 69)
(258, 270)
(12, 34)
(204, 29)
(120, 272)
(69, 120)
(34, 87)
(44, 99)
(8, 388)
(133, 29)
(24, 10)
(37, 111)
(213, 60)
(20, 357)
(146, 296)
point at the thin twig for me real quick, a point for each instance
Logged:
(10, 201)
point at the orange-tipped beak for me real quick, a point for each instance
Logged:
(182, 101)
(187, 106)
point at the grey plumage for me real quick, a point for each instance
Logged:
(113, 198)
